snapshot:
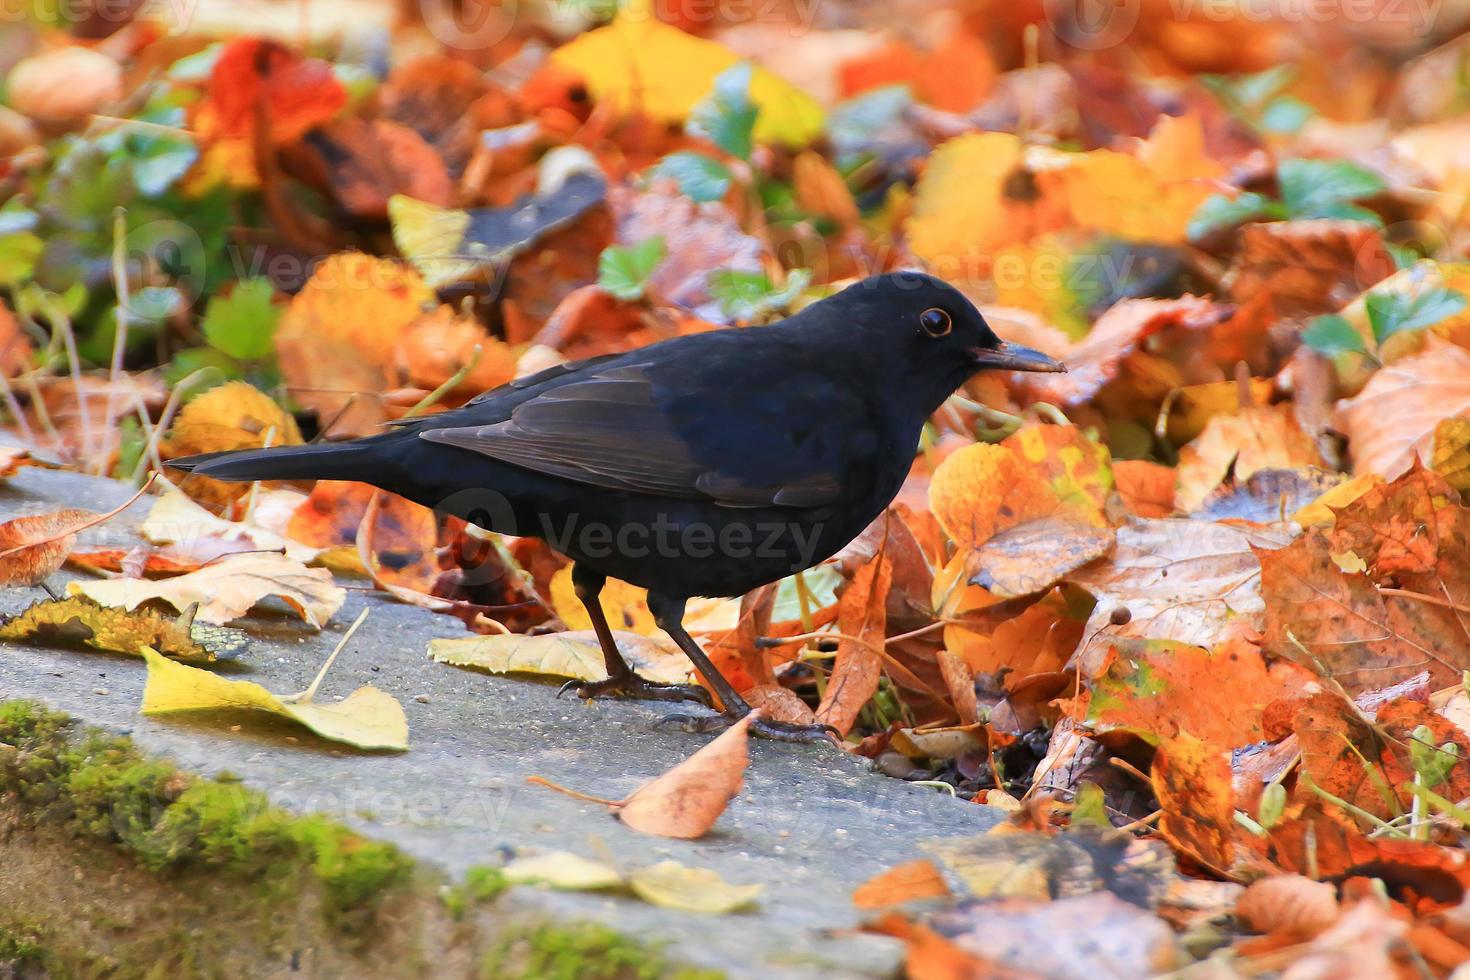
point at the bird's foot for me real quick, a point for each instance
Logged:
(776, 731)
(635, 687)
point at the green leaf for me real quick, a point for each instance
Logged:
(1332, 335)
(1395, 312)
(1286, 115)
(18, 255)
(624, 271)
(243, 323)
(726, 117)
(193, 359)
(700, 178)
(1323, 188)
(1222, 211)
(750, 295)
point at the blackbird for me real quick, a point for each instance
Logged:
(706, 465)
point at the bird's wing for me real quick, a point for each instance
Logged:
(670, 428)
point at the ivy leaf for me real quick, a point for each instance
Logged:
(700, 178)
(1395, 312)
(727, 115)
(624, 271)
(243, 324)
(1332, 335)
(751, 295)
(1325, 188)
(1222, 211)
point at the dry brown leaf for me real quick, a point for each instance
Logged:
(1094, 360)
(1291, 904)
(32, 548)
(1265, 437)
(780, 704)
(1392, 420)
(1147, 488)
(229, 588)
(1308, 267)
(862, 625)
(686, 801)
(907, 882)
(1175, 580)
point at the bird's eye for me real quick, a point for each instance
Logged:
(936, 322)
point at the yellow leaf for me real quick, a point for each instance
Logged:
(236, 415)
(572, 655)
(671, 885)
(1257, 438)
(229, 588)
(562, 870)
(1320, 511)
(626, 607)
(367, 718)
(1117, 194)
(638, 64)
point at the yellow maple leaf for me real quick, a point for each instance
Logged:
(638, 64)
(573, 655)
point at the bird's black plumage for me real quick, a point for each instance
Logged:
(707, 465)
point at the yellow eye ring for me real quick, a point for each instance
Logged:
(936, 322)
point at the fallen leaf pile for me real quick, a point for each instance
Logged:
(1194, 617)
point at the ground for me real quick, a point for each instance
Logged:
(811, 824)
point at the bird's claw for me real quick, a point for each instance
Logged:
(635, 687)
(776, 731)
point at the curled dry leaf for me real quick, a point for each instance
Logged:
(862, 628)
(65, 85)
(32, 548)
(686, 801)
(229, 588)
(367, 718)
(574, 655)
(1290, 904)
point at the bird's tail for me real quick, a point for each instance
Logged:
(354, 460)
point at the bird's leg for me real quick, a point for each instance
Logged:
(622, 680)
(668, 612)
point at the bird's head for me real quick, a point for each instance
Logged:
(926, 334)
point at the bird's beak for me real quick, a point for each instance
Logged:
(1014, 357)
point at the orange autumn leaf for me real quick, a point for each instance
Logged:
(1147, 488)
(907, 882)
(1151, 687)
(1191, 778)
(686, 801)
(337, 338)
(258, 78)
(862, 624)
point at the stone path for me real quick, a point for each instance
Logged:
(811, 824)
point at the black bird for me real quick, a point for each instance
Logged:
(705, 465)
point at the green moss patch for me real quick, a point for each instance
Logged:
(99, 787)
(581, 952)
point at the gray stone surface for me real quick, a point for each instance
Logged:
(811, 824)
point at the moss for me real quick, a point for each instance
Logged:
(98, 786)
(581, 952)
(481, 884)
